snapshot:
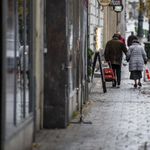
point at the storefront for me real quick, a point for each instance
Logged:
(17, 86)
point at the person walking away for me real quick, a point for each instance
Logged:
(121, 38)
(137, 57)
(113, 53)
(131, 38)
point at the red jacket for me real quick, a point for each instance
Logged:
(122, 39)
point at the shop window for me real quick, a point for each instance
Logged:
(18, 61)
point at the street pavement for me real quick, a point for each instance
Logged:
(120, 120)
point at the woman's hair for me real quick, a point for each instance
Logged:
(135, 41)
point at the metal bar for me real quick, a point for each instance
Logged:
(24, 66)
(94, 63)
(87, 60)
(149, 26)
(102, 74)
(81, 103)
(3, 73)
(30, 57)
(15, 64)
(32, 80)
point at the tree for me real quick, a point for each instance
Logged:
(144, 7)
(20, 17)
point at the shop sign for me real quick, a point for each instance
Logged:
(118, 9)
(104, 2)
(115, 3)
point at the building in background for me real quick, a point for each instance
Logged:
(132, 15)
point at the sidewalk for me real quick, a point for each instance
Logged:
(120, 121)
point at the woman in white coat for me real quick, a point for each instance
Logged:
(137, 58)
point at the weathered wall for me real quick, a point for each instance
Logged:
(21, 140)
(55, 66)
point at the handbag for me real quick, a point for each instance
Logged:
(131, 52)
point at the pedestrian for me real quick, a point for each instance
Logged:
(131, 38)
(121, 38)
(137, 57)
(113, 53)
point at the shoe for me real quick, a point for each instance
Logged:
(118, 85)
(114, 83)
(135, 85)
(139, 84)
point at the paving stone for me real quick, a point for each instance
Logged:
(120, 121)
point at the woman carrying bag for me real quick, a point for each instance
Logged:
(136, 57)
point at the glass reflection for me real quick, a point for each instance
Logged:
(10, 55)
(27, 59)
(19, 83)
(23, 61)
(71, 43)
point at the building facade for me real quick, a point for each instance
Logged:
(43, 67)
(44, 61)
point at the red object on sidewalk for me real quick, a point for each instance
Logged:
(147, 73)
(108, 74)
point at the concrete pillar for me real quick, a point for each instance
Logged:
(56, 65)
(38, 60)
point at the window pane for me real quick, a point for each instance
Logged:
(23, 60)
(10, 59)
(19, 91)
(27, 56)
(71, 44)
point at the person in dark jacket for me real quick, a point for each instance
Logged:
(137, 57)
(113, 53)
(131, 38)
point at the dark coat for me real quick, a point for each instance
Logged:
(113, 51)
(130, 39)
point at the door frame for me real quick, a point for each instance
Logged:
(2, 73)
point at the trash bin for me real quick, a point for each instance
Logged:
(147, 49)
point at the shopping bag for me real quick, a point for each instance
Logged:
(108, 74)
(146, 74)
